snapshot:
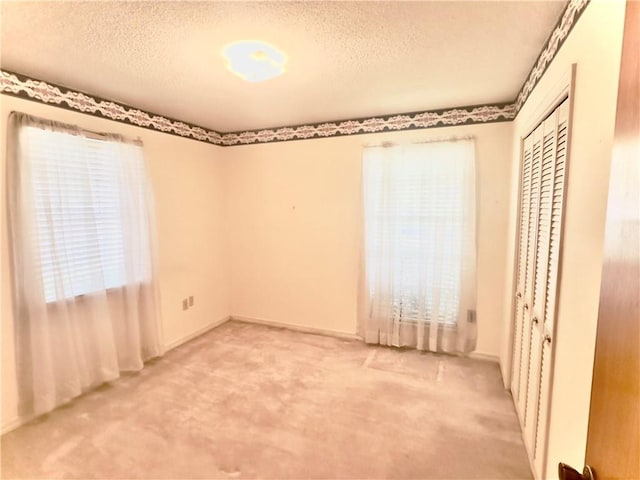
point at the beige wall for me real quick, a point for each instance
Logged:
(286, 216)
(595, 46)
(189, 183)
(295, 227)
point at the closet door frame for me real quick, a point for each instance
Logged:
(563, 89)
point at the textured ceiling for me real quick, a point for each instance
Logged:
(345, 59)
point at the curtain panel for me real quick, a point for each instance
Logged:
(82, 242)
(418, 268)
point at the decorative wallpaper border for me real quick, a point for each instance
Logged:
(563, 27)
(48, 93)
(387, 123)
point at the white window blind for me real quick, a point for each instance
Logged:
(80, 211)
(420, 229)
(78, 214)
(423, 213)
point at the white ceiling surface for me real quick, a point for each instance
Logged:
(345, 59)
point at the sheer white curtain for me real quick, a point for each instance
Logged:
(82, 230)
(418, 281)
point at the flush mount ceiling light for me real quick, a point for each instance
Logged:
(254, 61)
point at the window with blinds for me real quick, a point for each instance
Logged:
(416, 213)
(77, 209)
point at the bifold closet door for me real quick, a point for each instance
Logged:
(530, 261)
(541, 206)
(525, 200)
(549, 302)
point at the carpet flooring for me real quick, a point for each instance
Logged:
(249, 401)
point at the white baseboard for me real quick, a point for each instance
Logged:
(297, 328)
(197, 333)
(484, 356)
(338, 334)
(13, 424)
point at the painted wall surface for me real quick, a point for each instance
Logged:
(295, 213)
(595, 46)
(189, 183)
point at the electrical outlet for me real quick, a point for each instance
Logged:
(191, 300)
(185, 304)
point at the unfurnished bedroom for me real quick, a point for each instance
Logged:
(318, 239)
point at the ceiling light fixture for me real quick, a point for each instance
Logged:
(254, 61)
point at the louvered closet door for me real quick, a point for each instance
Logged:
(525, 198)
(542, 197)
(540, 277)
(551, 286)
(527, 292)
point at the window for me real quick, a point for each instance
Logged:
(78, 216)
(419, 230)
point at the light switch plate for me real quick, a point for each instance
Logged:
(185, 304)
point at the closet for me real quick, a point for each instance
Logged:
(542, 191)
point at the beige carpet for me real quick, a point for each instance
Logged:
(248, 401)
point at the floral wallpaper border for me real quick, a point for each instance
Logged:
(559, 34)
(49, 93)
(404, 121)
(40, 91)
